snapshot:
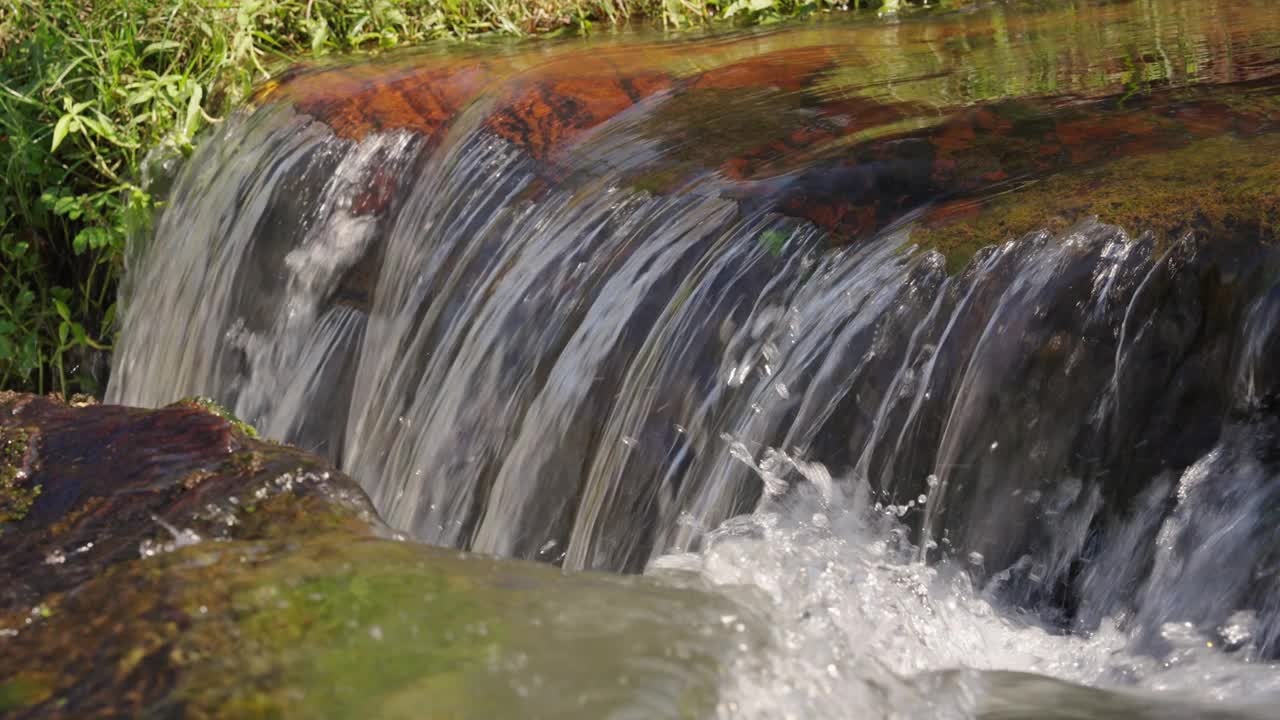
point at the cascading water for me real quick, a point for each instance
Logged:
(566, 314)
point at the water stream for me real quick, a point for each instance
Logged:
(688, 321)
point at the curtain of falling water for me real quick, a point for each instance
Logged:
(584, 372)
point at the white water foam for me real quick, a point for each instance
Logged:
(860, 628)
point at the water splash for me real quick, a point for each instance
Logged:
(857, 621)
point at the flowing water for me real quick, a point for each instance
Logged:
(639, 304)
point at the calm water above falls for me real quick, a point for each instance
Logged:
(944, 343)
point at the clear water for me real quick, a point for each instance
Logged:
(971, 494)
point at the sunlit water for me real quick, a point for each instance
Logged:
(1058, 461)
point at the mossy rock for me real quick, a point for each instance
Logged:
(1218, 186)
(87, 487)
(17, 490)
(343, 627)
(175, 567)
(211, 406)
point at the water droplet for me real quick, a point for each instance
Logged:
(931, 481)
(922, 499)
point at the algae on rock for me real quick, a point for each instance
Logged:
(273, 592)
(17, 490)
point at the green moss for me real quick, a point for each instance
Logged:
(213, 408)
(367, 628)
(22, 691)
(17, 494)
(245, 463)
(1220, 184)
(350, 637)
(340, 626)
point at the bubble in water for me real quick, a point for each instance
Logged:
(1180, 634)
(738, 450)
(1239, 628)
(149, 548)
(689, 520)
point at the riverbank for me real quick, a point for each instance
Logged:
(89, 95)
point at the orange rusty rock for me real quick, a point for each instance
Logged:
(549, 113)
(360, 99)
(1091, 138)
(769, 124)
(784, 70)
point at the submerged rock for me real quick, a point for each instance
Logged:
(171, 565)
(800, 123)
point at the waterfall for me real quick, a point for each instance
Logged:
(537, 352)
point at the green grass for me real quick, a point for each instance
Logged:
(90, 89)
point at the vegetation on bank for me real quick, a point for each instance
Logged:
(89, 89)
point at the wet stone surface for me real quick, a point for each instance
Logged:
(105, 484)
(171, 565)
